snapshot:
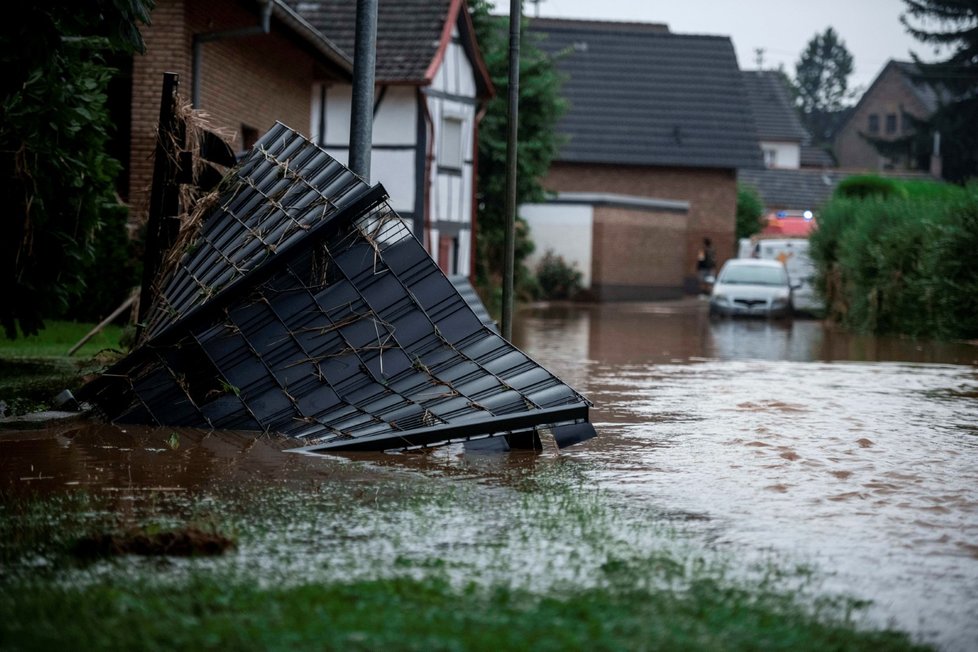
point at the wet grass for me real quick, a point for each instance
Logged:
(524, 559)
(413, 614)
(57, 338)
(35, 369)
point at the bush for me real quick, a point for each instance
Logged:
(866, 186)
(750, 212)
(901, 265)
(557, 279)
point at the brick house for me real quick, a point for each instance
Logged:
(246, 79)
(431, 86)
(657, 126)
(883, 112)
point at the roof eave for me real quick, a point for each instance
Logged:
(302, 28)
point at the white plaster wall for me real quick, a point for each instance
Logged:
(566, 229)
(787, 154)
(396, 119)
(395, 170)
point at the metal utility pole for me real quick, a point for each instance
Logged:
(515, 14)
(362, 110)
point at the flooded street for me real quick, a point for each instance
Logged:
(856, 455)
(850, 463)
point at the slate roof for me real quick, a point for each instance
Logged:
(642, 96)
(805, 188)
(409, 35)
(813, 156)
(774, 115)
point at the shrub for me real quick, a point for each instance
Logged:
(556, 278)
(750, 212)
(901, 265)
(866, 186)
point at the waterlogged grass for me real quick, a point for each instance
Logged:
(528, 559)
(411, 614)
(33, 370)
(57, 337)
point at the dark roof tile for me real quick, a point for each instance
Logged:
(643, 96)
(408, 32)
(775, 117)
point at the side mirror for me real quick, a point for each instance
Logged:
(709, 279)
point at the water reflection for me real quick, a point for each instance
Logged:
(857, 454)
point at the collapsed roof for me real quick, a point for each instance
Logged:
(304, 306)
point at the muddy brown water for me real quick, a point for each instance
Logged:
(856, 455)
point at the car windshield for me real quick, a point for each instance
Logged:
(754, 275)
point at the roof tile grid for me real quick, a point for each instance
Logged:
(408, 32)
(327, 322)
(774, 115)
(647, 97)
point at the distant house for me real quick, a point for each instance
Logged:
(657, 127)
(796, 175)
(245, 79)
(431, 83)
(779, 130)
(884, 112)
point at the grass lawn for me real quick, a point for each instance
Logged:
(415, 563)
(34, 369)
(57, 338)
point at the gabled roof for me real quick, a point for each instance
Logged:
(285, 14)
(412, 36)
(774, 116)
(923, 91)
(642, 96)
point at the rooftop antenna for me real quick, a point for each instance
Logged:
(759, 58)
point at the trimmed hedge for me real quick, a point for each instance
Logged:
(905, 262)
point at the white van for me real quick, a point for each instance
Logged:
(793, 253)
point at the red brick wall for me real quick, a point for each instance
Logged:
(637, 254)
(888, 95)
(251, 81)
(711, 193)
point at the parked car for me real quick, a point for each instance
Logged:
(793, 252)
(751, 287)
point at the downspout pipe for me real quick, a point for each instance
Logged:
(264, 27)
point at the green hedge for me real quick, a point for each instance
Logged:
(902, 263)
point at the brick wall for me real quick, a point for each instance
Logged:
(890, 94)
(711, 193)
(250, 81)
(637, 254)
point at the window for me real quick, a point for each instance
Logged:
(874, 123)
(450, 155)
(770, 157)
(891, 123)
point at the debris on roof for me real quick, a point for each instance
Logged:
(304, 306)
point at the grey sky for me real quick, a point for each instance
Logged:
(871, 29)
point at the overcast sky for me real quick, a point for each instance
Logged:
(871, 29)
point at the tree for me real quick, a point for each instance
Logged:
(952, 26)
(750, 211)
(540, 108)
(57, 178)
(822, 83)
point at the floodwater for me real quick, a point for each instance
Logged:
(857, 456)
